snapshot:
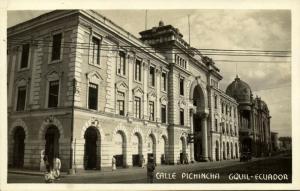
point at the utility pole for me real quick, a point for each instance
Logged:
(146, 18)
(189, 30)
(72, 166)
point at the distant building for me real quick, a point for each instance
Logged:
(285, 143)
(274, 141)
(254, 119)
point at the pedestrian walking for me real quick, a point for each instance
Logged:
(49, 178)
(47, 164)
(150, 170)
(113, 162)
(56, 167)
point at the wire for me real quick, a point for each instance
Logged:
(160, 51)
(150, 47)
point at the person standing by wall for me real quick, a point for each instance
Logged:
(150, 170)
(113, 163)
(56, 167)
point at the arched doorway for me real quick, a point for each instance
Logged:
(163, 149)
(217, 151)
(199, 103)
(151, 147)
(236, 151)
(246, 145)
(120, 149)
(18, 148)
(136, 149)
(52, 143)
(92, 149)
(228, 153)
(231, 149)
(224, 151)
(183, 153)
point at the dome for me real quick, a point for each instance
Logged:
(239, 90)
(161, 24)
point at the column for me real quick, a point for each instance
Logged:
(130, 84)
(145, 70)
(192, 132)
(158, 89)
(204, 137)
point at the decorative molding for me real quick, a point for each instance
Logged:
(93, 122)
(18, 123)
(48, 121)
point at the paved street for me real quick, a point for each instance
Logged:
(138, 175)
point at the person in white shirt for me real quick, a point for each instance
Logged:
(113, 163)
(56, 167)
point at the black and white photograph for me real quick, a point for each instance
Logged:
(149, 96)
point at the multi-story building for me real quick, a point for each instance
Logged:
(83, 88)
(254, 119)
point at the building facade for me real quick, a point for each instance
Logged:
(254, 119)
(83, 88)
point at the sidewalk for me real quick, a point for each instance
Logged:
(137, 170)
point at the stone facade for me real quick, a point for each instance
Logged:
(254, 119)
(178, 81)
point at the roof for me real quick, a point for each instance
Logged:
(239, 90)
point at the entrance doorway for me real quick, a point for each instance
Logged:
(151, 148)
(18, 148)
(197, 138)
(91, 149)
(183, 154)
(52, 143)
(199, 104)
(136, 150)
(120, 149)
(217, 151)
(163, 149)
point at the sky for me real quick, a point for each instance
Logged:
(268, 30)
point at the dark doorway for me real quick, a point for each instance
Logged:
(217, 151)
(136, 160)
(246, 145)
(52, 143)
(197, 138)
(90, 148)
(119, 160)
(18, 148)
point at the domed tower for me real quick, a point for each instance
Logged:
(242, 93)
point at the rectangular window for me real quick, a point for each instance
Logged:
(137, 107)
(25, 56)
(151, 110)
(230, 111)
(181, 84)
(56, 46)
(120, 103)
(95, 51)
(216, 125)
(93, 96)
(121, 69)
(181, 117)
(216, 102)
(53, 94)
(163, 114)
(164, 81)
(137, 75)
(152, 76)
(21, 98)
